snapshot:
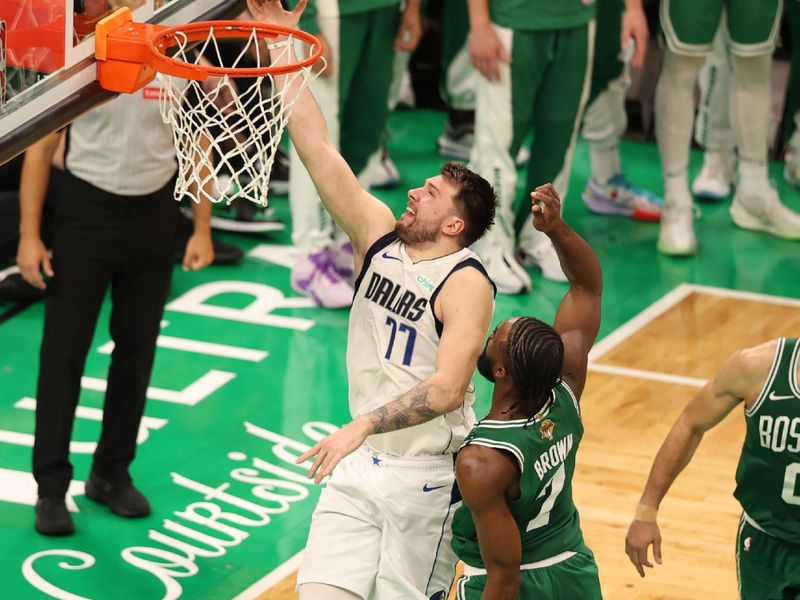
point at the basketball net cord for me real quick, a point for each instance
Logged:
(227, 132)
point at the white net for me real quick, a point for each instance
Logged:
(227, 129)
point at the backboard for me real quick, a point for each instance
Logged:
(48, 73)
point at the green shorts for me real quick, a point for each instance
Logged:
(767, 568)
(689, 25)
(572, 578)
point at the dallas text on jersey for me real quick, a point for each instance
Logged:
(386, 292)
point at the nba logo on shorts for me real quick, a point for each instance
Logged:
(747, 542)
(438, 596)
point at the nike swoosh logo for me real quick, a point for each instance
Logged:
(425, 488)
(385, 255)
(773, 396)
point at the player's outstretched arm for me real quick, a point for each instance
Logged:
(578, 317)
(362, 216)
(740, 378)
(464, 306)
(484, 475)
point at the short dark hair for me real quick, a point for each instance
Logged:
(475, 200)
(534, 356)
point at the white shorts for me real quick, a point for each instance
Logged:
(381, 528)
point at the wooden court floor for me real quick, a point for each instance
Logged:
(640, 378)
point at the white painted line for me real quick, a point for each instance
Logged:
(627, 329)
(195, 392)
(650, 375)
(272, 578)
(207, 348)
(279, 254)
(741, 295)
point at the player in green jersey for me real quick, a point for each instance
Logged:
(518, 530)
(766, 379)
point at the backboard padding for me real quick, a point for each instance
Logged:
(56, 83)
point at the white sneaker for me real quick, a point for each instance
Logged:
(713, 183)
(676, 235)
(380, 174)
(760, 209)
(544, 257)
(506, 273)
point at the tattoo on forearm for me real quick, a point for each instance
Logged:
(412, 408)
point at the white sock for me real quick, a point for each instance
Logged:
(676, 188)
(751, 112)
(752, 173)
(604, 122)
(794, 141)
(674, 111)
(605, 162)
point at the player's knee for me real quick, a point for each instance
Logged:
(682, 69)
(751, 70)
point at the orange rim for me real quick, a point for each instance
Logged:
(197, 32)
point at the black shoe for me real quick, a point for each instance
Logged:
(14, 288)
(53, 518)
(226, 254)
(279, 176)
(121, 497)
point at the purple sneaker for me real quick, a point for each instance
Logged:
(343, 261)
(315, 275)
(302, 271)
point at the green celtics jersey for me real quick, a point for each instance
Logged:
(545, 449)
(527, 15)
(768, 476)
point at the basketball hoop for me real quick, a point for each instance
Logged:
(227, 119)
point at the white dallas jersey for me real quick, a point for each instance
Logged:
(393, 342)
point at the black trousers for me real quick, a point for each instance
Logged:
(101, 240)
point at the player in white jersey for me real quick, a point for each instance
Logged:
(422, 309)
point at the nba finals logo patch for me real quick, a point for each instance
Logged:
(546, 429)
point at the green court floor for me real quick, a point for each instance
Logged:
(248, 375)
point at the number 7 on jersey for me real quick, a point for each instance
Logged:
(410, 339)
